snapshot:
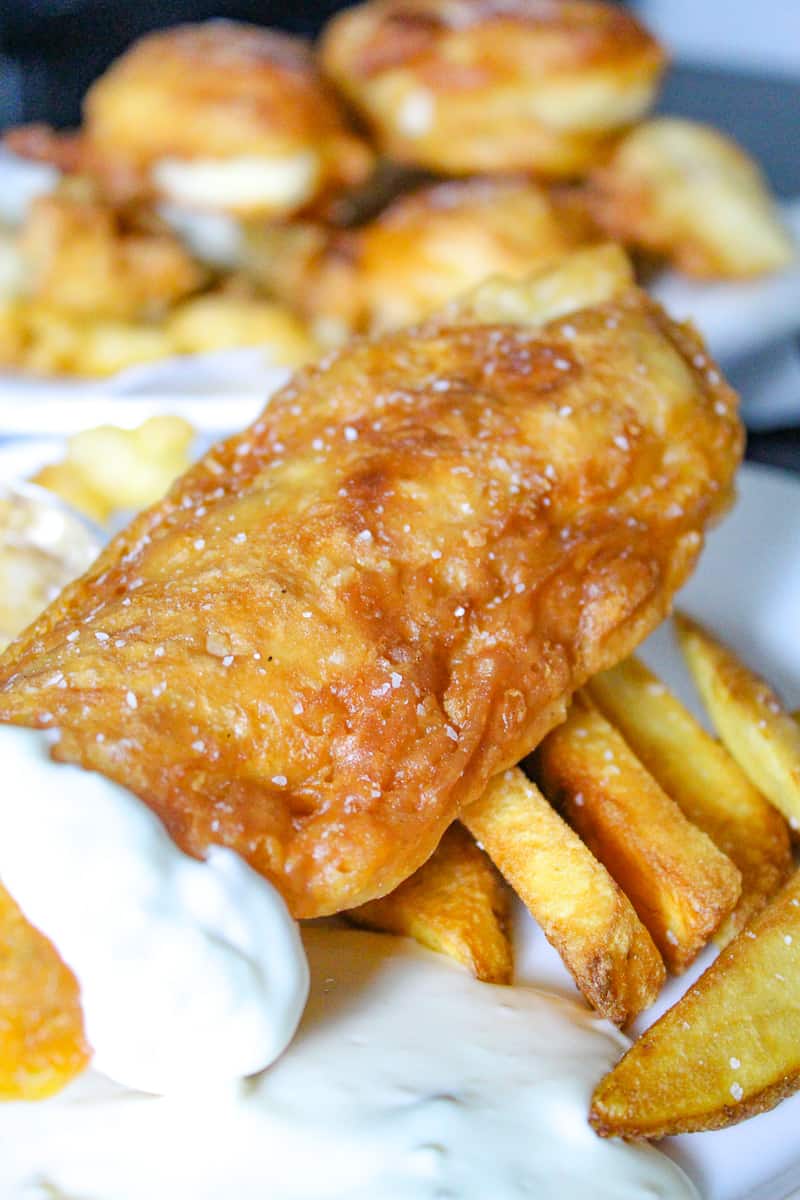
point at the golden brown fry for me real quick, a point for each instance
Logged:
(42, 1040)
(582, 912)
(730, 1048)
(66, 480)
(684, 191)
(129, 468)
(49, 341)
(703, 780)
(680, 884)
(222, 321)
(44, 340)
(455, 903)
(108, 469)
(748, 716)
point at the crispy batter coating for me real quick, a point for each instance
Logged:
(426, 248)
(462, 86)
(342, 622)
(85, 258)
(219, 115)
(686, 193)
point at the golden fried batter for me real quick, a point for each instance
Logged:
(463, 86)
(687, 193)
(218, 115)
(84, 258)
(425, 249)
(103, 289)
(341, 623)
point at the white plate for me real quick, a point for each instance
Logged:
(748, 589)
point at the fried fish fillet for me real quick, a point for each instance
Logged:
(339, 625)
(465, 87)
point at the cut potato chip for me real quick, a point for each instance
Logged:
(704, 781)
(219, 321)
(42, 1041)
(748, 716)
(65, 480)
(582, 912)
(456, 904)
(680, 884)
(730, 1048)
(108, 469)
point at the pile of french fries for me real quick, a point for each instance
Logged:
(634, 837)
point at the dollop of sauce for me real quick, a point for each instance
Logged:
(407, 1080)
(239, 183)
(43, 546)
(190, 972)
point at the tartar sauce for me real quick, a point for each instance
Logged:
(407, 1080)
(189, 971)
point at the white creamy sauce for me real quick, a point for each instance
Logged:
(247, 182)
(407, 1080)
(214, 237)
(190, 972)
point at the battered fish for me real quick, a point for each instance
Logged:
(342, 622)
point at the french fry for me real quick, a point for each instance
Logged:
(456, 903)
(582, 912)
(42, 1040)
(707, 784)
(132, 468)
(66, 480)
(730, 1048)
(748, 716)
(680, 884)
(108, 468)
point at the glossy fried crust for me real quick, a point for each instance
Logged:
(464, 86)
(341, 623)
(83, 258)
(426, 248)
(217, 90)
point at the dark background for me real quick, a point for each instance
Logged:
(51, 50)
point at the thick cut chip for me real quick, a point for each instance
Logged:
(748, 716)
(42, 1041)
(456, 904)
(108, 468)
(703, 780)
(582, 912)
(680, 884)
(730, 1048)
